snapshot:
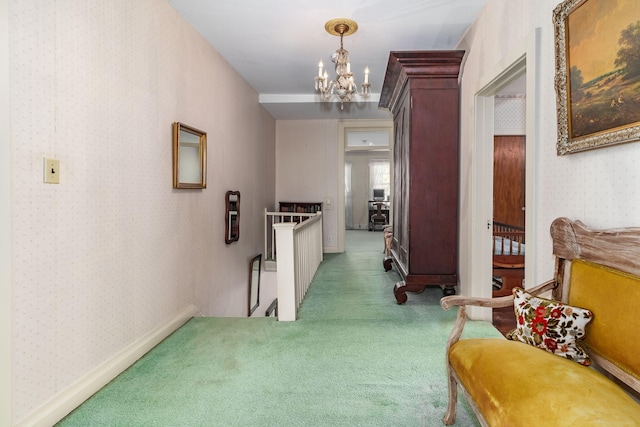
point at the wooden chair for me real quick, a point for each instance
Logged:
(377, 218)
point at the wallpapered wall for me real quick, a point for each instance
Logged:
(112, 252)
(600, 187)
(510, 115)
(307, 168)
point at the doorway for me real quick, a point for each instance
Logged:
(367, 186)
(367, 174)
(509, 197)
(522, 63)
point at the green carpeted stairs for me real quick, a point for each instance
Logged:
(354, 358)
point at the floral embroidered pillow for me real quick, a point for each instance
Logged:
(550, 325)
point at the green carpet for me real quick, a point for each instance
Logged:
(354, 358)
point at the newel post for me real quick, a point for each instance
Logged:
(286, 275)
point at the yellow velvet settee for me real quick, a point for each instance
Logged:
(515, 383)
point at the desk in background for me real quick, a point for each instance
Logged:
(373, 210)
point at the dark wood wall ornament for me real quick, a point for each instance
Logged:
(232, 217)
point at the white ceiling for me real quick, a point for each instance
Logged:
(276, 45)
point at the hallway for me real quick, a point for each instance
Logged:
(363, 241)
(353, 358)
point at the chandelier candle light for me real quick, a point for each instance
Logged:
(344, 85)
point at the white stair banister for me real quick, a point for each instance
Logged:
(299, 255)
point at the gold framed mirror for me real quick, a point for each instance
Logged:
(189, 157)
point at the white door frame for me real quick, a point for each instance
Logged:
(523, 59)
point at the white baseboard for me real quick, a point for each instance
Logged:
(330, 250)
(70, 398)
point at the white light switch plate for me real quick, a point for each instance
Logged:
(51, 171)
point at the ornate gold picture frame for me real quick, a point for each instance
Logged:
(597, 77)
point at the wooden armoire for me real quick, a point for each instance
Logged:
(421, 91)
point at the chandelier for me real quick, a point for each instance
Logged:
(344, 85)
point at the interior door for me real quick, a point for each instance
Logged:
(508, 208)
(509, 180)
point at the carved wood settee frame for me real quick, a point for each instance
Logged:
(617, 249)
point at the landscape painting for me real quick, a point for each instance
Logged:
(597, 73)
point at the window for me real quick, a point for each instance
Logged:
(368, 139)
(379, 177)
